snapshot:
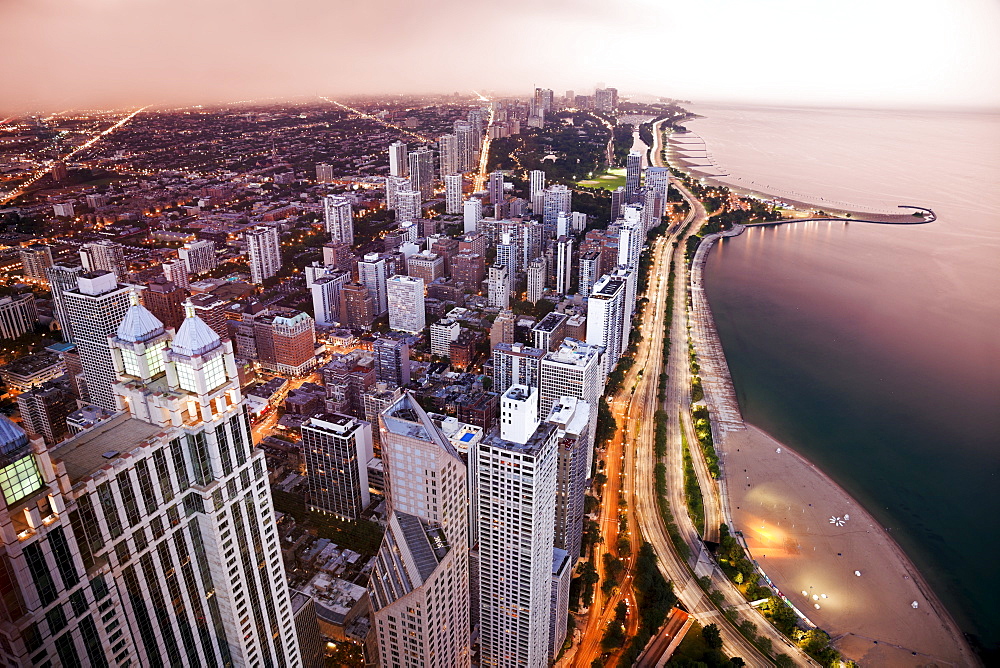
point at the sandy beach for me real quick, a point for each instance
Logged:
(810, 536)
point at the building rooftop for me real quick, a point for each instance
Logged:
(94, 448)
(139, 325)
(550, 322)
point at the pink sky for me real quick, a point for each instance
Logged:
(59, 54)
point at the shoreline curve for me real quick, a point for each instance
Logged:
(908, 638)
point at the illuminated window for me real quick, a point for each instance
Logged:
(215, 372)
(131, 363)
(154, 357)
(20, 479)
(185, 377)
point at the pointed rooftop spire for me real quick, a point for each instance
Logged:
(138, 324)
(194, 337)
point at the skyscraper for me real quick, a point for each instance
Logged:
(176, 272)
(631, 236)
(574, 369)
(571, 416)
(408, 205)
(419, 587)
(453, 193)
(536, 279)
(495, 187)
(633, 174)
(606, 312)
(392, 361)
(467, 146)
(44, 409)
(449, 159)
(35, 259)
(537, 191)
(590, 271)
(339, 218)
(18, 315)
(564, 264)
(558, 199)
(326, 297)
(472, 210)
(398, 165)
(617, 202)
(515, 364)
(62, 278)
(104, 256)
(393, 186)
(516, 483)
(337, 449)
(358, 307)
(422, 171)
(373, 273)
(658, 180)
(264, 251)
(199, 256)
(94, 308)
(405, 297)
(324, 173)
(499, 286)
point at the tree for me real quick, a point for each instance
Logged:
(783, 661)
(712, 636)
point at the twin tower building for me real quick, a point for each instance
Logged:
(150, 539)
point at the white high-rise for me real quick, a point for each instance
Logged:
(557, 199)
(449, 159)
(516, 483)
(62, 278)
(633, 174)
(199, 256)
(104, 256)
(574, 369)
(408, 205)
(453, 193)
(536, 192)
(339, 218)
(606, 318)
(499, 286)
(516, 364)
(393, 186)
(419, 587)
(405, 295)
(373, 273)
(264, 252)
(176, 272)
(537, 270)
(472, 209)
(631, 236)
(422, 171)
(326, 297)
(564, 264)
(93, 309)
(398, 164)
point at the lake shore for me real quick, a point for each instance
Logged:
(811, 537)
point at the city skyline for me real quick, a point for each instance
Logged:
(871, 54)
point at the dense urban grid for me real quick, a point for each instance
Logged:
(348, 382)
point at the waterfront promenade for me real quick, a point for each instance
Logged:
(817, 545)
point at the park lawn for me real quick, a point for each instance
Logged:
(609, 180)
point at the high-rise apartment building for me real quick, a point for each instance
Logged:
(409, 205)
(590, 271)
(199, 256)
(562, 576)
(419, 587)
(658, 181)
(467, 145)
(633, 174)
(18, 315)
(516, 364)
(537, 271)
(358, 306)
(44, 409)
(210, 309)
(398, 164)
(373, 271)
(448, 155)
(166, 301)
(453, 193)
(442, 333)
(336, 450)
(339, 218)
(536, 191)
(472, 210)
(393, 186)
(405, 298)
(516, 483)
(286, 342)
(618, 200)
(324, 173)
(94, 308)
(62, 278)
(104, 256)
(425, 265)
(392, 361)
(495, 187)
(35, 259)
(573, 370)
(564, 264)
(264, 252)
(499, 286)
(631, 236)
(176, 272)
(571, 416)
(557, 199)
(327, 299)
(502, 330)
(606, 318)
(421, 164)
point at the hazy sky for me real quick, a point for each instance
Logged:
(57, 54)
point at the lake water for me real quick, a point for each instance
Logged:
(874, 350)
